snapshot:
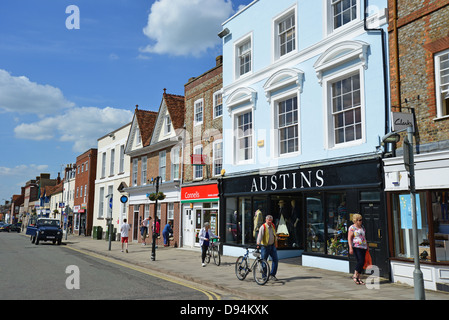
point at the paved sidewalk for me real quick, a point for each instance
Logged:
(295, 281)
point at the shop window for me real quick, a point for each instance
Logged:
(315, 223)
(402, 224)
(337, 221)
(440, 214)
(232, 222)
(286, 216)
(246, 221)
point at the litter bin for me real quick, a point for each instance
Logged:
(94, 232)
(99, 233)
(110, 228)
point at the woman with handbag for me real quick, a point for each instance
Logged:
(357, 246)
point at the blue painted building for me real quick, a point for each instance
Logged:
(305, 91)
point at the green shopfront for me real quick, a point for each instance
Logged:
(312, 208)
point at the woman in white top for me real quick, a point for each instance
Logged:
(205, 235)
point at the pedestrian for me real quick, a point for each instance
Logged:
(205, 235)
(267, 239)
(144, 230)
(357, 246)
(166, 233)
(124, 231)
(155, 228)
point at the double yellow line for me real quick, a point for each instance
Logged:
(210, 295)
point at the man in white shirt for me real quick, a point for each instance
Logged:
(124, 231)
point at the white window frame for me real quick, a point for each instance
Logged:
(237, 45)
(438, 90)
(101, 203)
(218, 95)
(167, 125)
(111, 162)
(162, 164)
(275, 124)
(103, 165)
(328, 120)
(329, 17)
(175, 163)
(217, 158)
(122, 159)
(146, 212)
(143, 170)
(197, 171)
(276, 36)
(236, 148)
(170, 211)
(135, 168)
(196, 106)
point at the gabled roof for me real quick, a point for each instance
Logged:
(146, 121)
(176, 108)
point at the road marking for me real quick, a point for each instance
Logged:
(211, 295)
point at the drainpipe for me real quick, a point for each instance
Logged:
(385, 72)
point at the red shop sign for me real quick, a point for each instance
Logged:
(206, 192)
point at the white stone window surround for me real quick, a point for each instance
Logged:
(332, 58)
(328, 21)
(273, 91)
(275, 33)
(240, 101)
(237, 44)
(441, 89)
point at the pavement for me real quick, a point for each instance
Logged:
(295, 282)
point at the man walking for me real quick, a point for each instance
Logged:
(124, 232)
(267, 238)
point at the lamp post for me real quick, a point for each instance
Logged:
(153, 246)
(409, 162)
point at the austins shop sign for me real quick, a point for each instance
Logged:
(341, 175)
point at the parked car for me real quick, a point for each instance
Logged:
(5, 227)
(17, 227)
(45, 229)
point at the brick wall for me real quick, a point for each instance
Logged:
(202, 87)
(422, 31)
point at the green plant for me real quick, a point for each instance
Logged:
(156, 196)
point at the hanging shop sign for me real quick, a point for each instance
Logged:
(402, 120)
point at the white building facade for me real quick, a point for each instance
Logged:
(113, 174)
(305, 103)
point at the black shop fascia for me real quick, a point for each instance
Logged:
(312, 205)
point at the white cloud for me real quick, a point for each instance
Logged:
(82, 126)
(185, 27)
(19, 94)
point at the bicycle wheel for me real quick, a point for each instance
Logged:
(261, 271)
(216, 255)
(241, 268)
(207, 258)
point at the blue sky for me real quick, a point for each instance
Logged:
(61, 89)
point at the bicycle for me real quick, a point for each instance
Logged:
(260, 267)
(213, 251)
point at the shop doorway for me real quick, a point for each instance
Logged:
(188, 228)
(375, 227)
(136, 224)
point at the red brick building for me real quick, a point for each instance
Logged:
(203, 153)
(86, 171)
(419, 77)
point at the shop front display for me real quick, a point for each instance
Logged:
(311, 207)
(200, 204)
(432, 210)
